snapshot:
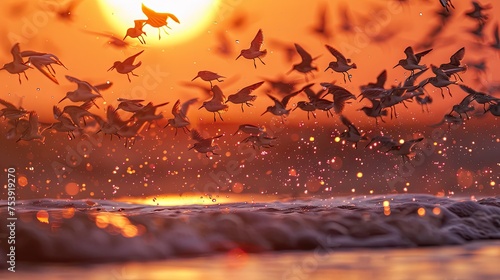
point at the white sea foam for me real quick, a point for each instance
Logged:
(100, 230)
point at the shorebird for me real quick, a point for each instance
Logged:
(340, 96)
(204, 145)
(180, 119)
(306, 106)
(258, 141)
(412, 60)
(148, 113)
(464, 106)
(477, 12)
(112, 124)
(136, 31)
(480, 97)
(17, 66)
(158, 20)
(208, 76)
(406, 149)
(43, 62)
(341, 65)
(85, 91)
(127, 66)
(217, 103)
(243, 96)
(74, 112)
(440, 80)
(250, 129)
(11, 112)
(64, 125)
(352, 134)
(254, 51)
(279, 107)
(376, 111)
(454, 64)
(131, 132)
(32, 132)
(305, 66)
(129, 105)
(450, 120)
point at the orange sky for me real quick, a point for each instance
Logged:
(87, 56)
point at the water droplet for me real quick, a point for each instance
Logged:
(38, 89)
(237, 41)
(420, 13)
(214, 200)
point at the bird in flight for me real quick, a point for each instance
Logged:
(158, 20)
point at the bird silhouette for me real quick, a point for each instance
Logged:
(254, 51)
(127, 66)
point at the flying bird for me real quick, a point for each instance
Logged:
(255, 49)
(243, 96)
(17, 66)
(305, 66)
(158, 20)
(127, 66)
(341, 65)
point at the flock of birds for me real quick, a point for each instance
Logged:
(25, 126)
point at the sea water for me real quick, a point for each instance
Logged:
(401, 236)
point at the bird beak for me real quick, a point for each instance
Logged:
(62, 99)
(263, 113)
(125, 37)
(395, 66)
(238, 57)
(3, 68)
(194, 78)
(201, 106)
(111, 68)
(327, 68)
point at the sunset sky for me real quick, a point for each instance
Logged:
(380, 31)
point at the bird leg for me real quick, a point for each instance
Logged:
(343, 74)
(128, 78)
(442, 94)
(260, 60)
(254, 65)
(220, 116)
(134, 74)
(449, 92)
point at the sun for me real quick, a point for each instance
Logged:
(194, 17)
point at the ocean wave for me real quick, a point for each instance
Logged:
(52, 230)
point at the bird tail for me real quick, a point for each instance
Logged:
(263, 53)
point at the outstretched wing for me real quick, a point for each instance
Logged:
(457, 57)
(157, 19)
(257, 41)
(306, 57)
(130, 60)
(185, 106)
(336, 53)
(218, 94)
(196, 136)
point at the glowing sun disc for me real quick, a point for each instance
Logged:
(194, 17)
